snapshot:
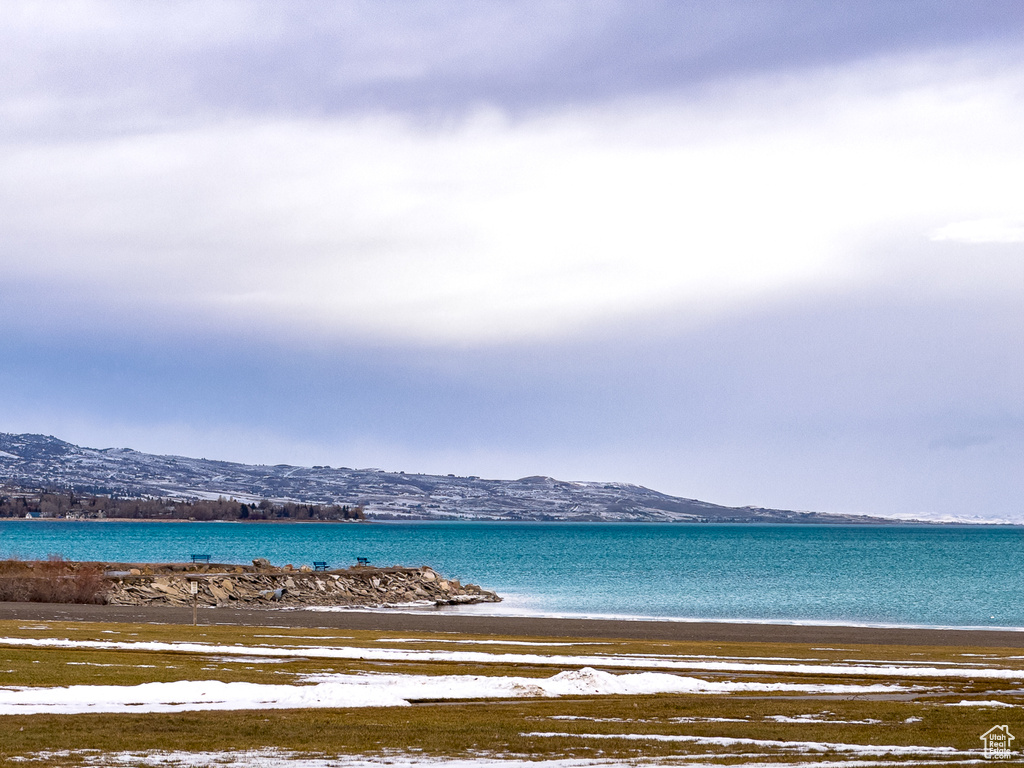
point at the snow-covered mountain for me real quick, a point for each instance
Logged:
(38, 461)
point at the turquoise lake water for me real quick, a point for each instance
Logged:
(927, 575)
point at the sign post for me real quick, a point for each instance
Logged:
(194, 585)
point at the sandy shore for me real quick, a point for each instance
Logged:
(442, 621)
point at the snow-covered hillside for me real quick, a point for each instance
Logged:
(38, 461)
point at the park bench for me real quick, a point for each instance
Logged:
(362, 561)
(200, 558)
(319, 565)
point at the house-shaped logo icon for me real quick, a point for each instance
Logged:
(997, 742)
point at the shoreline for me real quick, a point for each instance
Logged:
(873, 522)
(167, 520)
(440, 620)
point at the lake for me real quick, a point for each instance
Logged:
(954, 576)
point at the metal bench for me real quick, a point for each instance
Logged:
(362, 561)
(200, 558)
(319, 565)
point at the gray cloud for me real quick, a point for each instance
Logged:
(118, 66)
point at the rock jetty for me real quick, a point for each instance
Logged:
(266, 585)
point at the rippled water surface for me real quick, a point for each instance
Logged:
(938, 576)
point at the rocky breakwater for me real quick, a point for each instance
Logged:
(266, 585)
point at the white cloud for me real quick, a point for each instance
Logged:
(489, 229)
(981, 231)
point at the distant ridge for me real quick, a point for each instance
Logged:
(44, 462)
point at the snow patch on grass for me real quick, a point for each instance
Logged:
(278, 758)
(372, 690)
(480, 657)
(790, 746)
(821, 717)
(433, 640)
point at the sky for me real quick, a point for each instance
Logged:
(755, 253)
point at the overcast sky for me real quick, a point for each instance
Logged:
(751, 252)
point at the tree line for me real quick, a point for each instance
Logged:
(19, 503)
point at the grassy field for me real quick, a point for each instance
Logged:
(937, 705)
